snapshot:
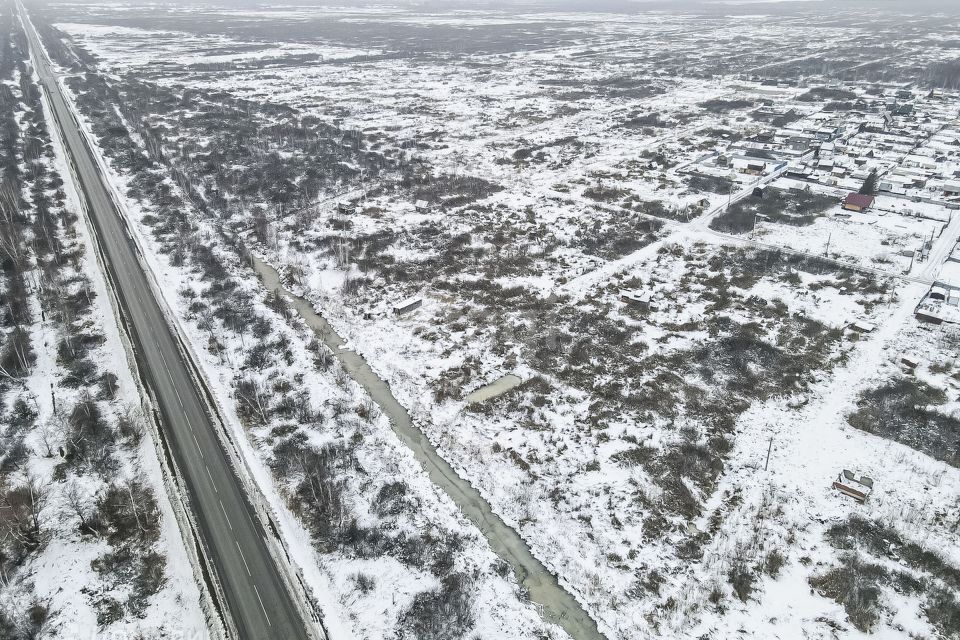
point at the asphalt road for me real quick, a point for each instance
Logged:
(256, 595)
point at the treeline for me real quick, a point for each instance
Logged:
(92, 493)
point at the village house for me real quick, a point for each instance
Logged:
(920, 162)
(858, 202)
(798, 143)
(909, 177)
(895, 184)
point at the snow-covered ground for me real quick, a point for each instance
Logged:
(632, 459)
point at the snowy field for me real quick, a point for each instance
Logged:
(559, 192)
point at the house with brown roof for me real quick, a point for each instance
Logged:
(857, 202)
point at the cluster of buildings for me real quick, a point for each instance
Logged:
(910, 138)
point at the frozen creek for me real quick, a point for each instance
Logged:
(557, 604)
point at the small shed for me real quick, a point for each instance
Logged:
(862, 327)
(406, 306)
(636, 299)
(346, 208)
(422, 206)
(857, 202)
(849, 484)
(910, 361)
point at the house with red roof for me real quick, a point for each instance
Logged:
(857, 202)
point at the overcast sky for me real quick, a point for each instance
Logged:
(951, 7)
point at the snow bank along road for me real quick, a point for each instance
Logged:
(257, 600)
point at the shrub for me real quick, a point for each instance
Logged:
(817, 94)
(856, 586)
(391, 499)
(129, 513)
(943, 612)
(442, 613)
(876, 538)
(365, 583)
(17, 356)
(701, 183)
(108, 386)
(149, 579)
(720, 105)
(773, 563)
(795, 208)
(741, 579)
(318, 495)
(903, 410)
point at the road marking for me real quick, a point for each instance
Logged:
(269, 624)
(243, 558)
(169, 375)
(211, 479)
(225, 515)
(197, 443)
(160, 351)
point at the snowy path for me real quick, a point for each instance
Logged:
(942, 249)
(810, 446)
(578, 288)
(813, 441)
(703, 222)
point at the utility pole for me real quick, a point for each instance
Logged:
(766, 465)
(826, 252)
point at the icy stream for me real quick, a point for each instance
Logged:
(557, 605)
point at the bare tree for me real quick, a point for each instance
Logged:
(252, 403)
(51, 434)
(21, 514)
(79, 502)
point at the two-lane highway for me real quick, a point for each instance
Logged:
(256, 594)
